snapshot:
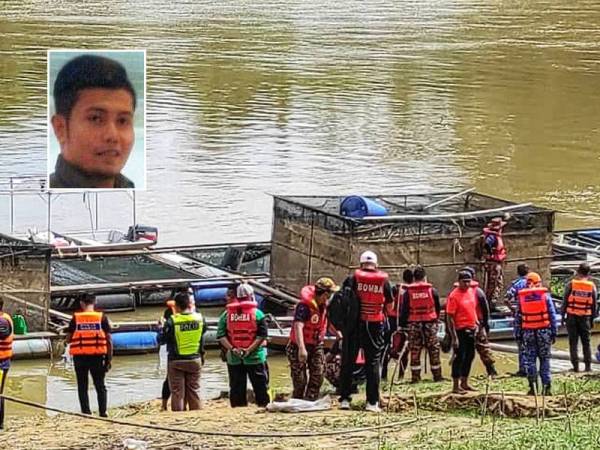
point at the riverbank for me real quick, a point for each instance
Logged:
(439, 421)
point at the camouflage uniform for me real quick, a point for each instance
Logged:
(307, 377)
(482, 345)
(537, 344)
(494, 283)
(424, 334)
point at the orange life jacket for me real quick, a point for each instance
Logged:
(6, 351)
(88, 338)
(171, 305)
(499, 251)
(315, 327)
(241, 324)
(369, 287)
(421, 303)
(534, 310)
(581, 300)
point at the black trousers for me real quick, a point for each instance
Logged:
(370, 337)
(579, 327)
(2, 384)
(259, 379)
(461, 366)
(93, 365)
(166, 390)
(389, 331)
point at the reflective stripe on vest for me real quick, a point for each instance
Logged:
(421, 303)
(188, 332)
(499, 251)
(89, 337)
(241, 324)
(369, 287)
(315, 327)
(6, 351)
(534, 310)
(581, 299)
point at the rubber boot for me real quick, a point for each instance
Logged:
(533, 388)
(491, 370)
(588, 367)
(547, 390)
(437, 375)
(575, 366)
(415, 376)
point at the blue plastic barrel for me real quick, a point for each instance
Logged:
(358, 207)
(211, 295)
(135, 341)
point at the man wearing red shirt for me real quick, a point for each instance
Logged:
(461, 309)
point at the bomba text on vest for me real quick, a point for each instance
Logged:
(364, 287)
(245, 317)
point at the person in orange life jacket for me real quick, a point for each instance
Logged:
(580, 308)
(374, 291)
(511, 302)
(169, 311)
(461, 314)
(91, 347)
(183, 333)
(494, 255)
(420, 313)
(535, 324)
(482, 343)
(243, 331)
(305, 348)
(6, 353)
(393, 314)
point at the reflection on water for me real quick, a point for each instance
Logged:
(315, 97)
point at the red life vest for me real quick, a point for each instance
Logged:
(420, 303)
(88, 338)
(534, 310)
(6, 351)
(315, 327)
(581, 299)
(369, 287)
(474, 284)
(241, 324)
(499, 251)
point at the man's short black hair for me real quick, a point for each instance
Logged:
(86, 72)
(419, 273)
(407, 276)
(584, 269)
(87, 298)
(522, 269)
(182, 300)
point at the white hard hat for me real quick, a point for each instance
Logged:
(368, 257)
(244, 290)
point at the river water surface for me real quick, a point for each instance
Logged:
(304, 97)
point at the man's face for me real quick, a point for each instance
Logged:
(99, 135)
(464, 284)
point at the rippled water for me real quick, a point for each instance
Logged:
(311, 97)
(251, 98)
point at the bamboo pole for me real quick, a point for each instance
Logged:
(439, 202)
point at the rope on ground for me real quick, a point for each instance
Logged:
(297, 434)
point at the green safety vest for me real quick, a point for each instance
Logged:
(188, 332)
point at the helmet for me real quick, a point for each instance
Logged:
(326, 284)
(368, 257)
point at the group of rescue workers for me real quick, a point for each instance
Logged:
(371, 321)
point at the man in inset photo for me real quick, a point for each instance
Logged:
(93, 122)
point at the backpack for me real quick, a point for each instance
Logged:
(343, 309)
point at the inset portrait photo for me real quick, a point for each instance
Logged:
(96, 119)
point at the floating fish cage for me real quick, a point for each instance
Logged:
(316, 236)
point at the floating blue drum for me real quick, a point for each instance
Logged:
(129, 342)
